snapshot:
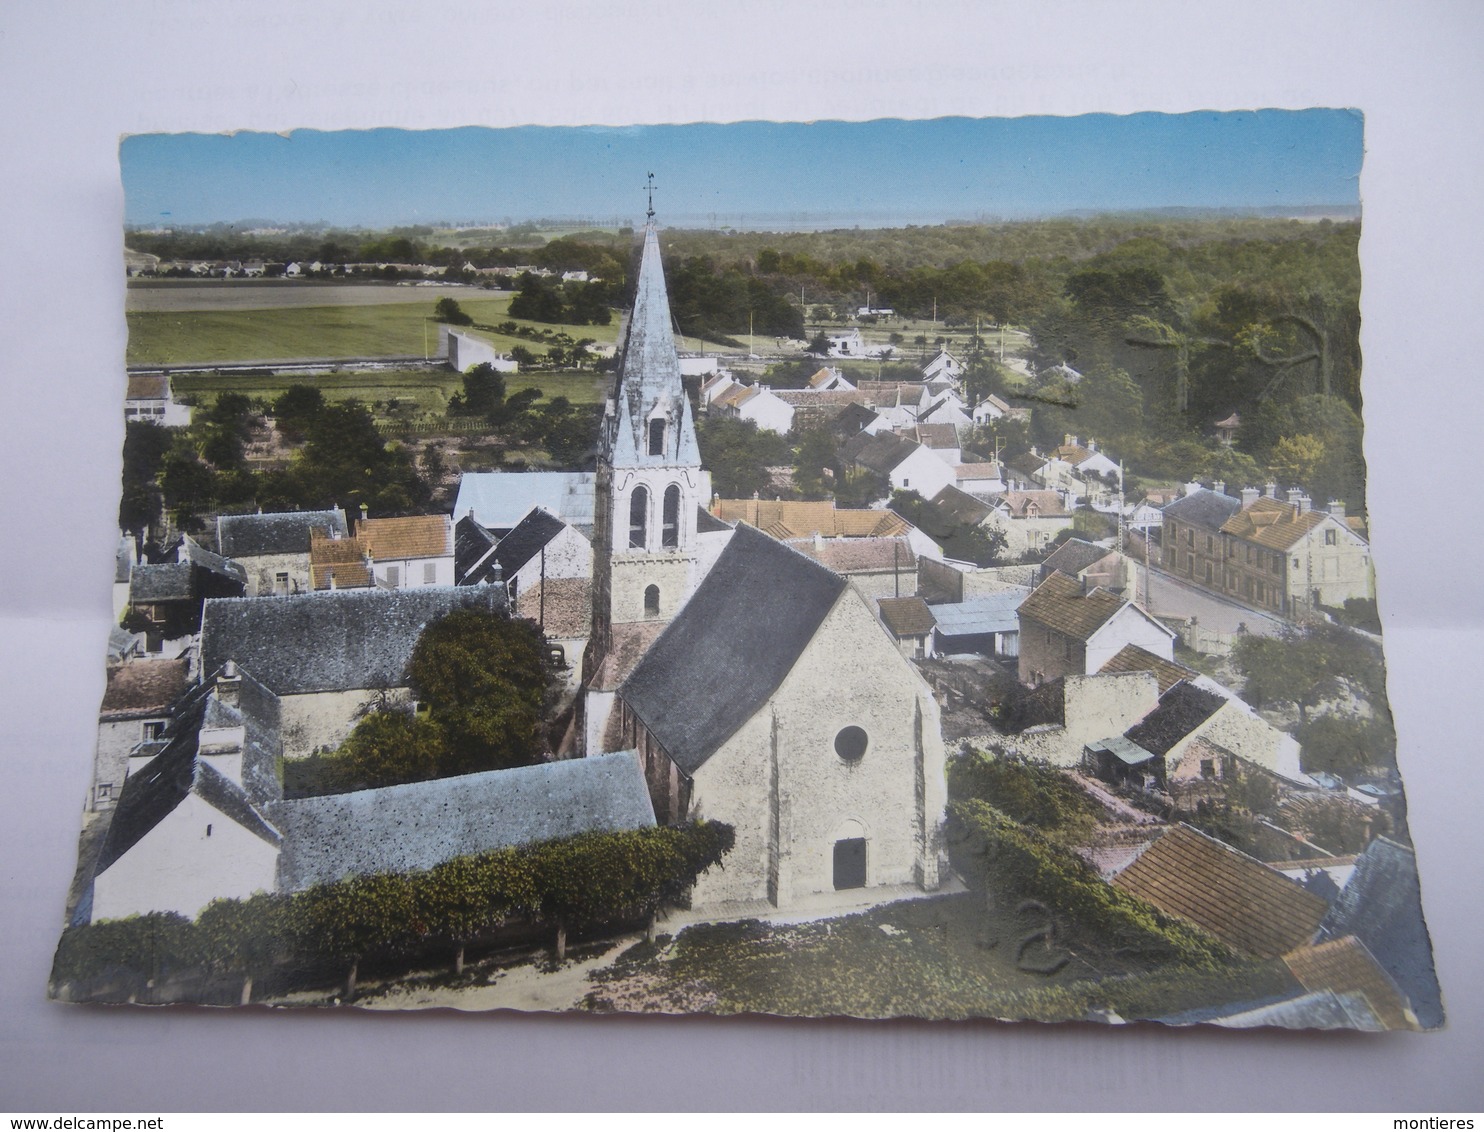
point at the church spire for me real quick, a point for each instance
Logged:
(648, 387)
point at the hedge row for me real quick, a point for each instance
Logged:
(989, 850)
(590, 879)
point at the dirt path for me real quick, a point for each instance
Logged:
(526, 987)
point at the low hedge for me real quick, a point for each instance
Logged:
(990, 851)
(572, 882)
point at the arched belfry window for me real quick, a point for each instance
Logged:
(639, 517)
(651, 601)
(670, 518)
(657, 436)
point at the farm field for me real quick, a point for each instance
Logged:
(428, 389)
(365, 330)
(277, 294)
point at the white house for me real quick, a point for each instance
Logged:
(1070, 627)
(409, 551)
(943, 365)
(466, 350)
(149, 398)
(756, 403)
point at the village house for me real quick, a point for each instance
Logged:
(1190, 538)
(464, 351)
(755, 403)
(1085, 561)
(942, 440)
(945, 365)
(992, 408)
(540, 547)
(1291, 559)
(167, 596)
(338, 563)
(136, 708)
(1029, 520)
(408, 551)
(149, 399)
(825, 752)
(907, 465)
(274, 548)
(331, 657)
(1069, 628)
(826, 378)
(911, 622)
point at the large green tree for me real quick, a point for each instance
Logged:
(486, 679)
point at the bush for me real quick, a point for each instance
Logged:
(1033, 794)
(990, 851)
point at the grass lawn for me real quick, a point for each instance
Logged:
(358, 331)
(428, 389)
(943, 957)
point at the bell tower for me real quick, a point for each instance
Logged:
(650, 483)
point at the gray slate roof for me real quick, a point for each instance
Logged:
(1180, 711)
(419, 825)
(1074, 556)
(500, 500)
(473, 552)
(331, 641)
(152, 793)
(737, 638)
(247, 536)
(992, 613)
(525, 541)
(163, 581)
(1203, 508)
(1381, 905)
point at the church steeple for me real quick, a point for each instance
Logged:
(651, 421)
(650, 483)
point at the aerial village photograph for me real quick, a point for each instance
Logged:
(601, 570)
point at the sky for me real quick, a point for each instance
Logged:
(751, 174)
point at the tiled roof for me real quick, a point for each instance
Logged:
(739, 635)
(936, 435)
(984, 471)
(340, 559)
(1034, 504)
(248, 536)
(1344, 966)
(823, 376)
(1203, 508)
(143, 687)
(1132, 658)
(736, 397)
(421, 824)
(1382, 906)
(148, 387)
(880, 452)
(1074, 556)
(801, 398)
(860, 555)
(1271, 523)
(1060, 604)
(1236, 898)
(627, 646)
(331, 641)
(1073, 454)
(958, 508)
(163, 581)
(794, 518)
(409, 536)
(907, 616)
(1180, 711)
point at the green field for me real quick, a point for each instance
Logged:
(370, 331)
(428, 389)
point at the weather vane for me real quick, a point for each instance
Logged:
(651, 196)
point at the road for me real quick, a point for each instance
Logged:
(1173, 597)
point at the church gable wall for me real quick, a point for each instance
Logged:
(850, 675)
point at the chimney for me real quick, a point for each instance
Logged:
(1337, 509)
(365, 512)
(1249, 497)
(1304, 503)
(229, 684)
(1219, 487)
(1092, 445)
(1295, 494)
(1270, 490)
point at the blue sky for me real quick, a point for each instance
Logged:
(752, 174)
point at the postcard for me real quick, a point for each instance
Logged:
(876, 569)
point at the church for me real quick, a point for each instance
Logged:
(757, 686)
